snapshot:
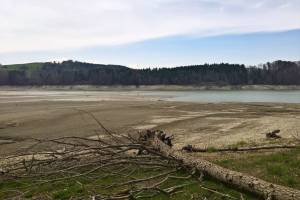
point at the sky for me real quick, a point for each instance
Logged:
(149, 33)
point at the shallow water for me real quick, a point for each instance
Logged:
(210, 96)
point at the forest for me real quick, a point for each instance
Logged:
(80, 73)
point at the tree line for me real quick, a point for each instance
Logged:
(79, 73)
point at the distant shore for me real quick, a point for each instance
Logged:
(153, 87)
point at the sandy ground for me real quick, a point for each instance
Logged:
(202, 124)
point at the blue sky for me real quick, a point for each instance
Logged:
(143, 33)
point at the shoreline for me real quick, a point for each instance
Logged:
(154, 88)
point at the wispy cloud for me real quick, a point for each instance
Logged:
(67, 24)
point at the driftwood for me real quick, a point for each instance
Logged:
(239, 180)
(273, 134)
(191, 148)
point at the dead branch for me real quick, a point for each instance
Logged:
(190, 148)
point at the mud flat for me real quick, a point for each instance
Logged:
(52, 114)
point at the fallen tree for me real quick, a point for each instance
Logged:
(239, 180)
(122, 155)
(191, 148)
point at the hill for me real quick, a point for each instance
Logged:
(79, 73)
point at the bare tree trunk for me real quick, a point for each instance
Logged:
(242, 181)
(190, 148)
